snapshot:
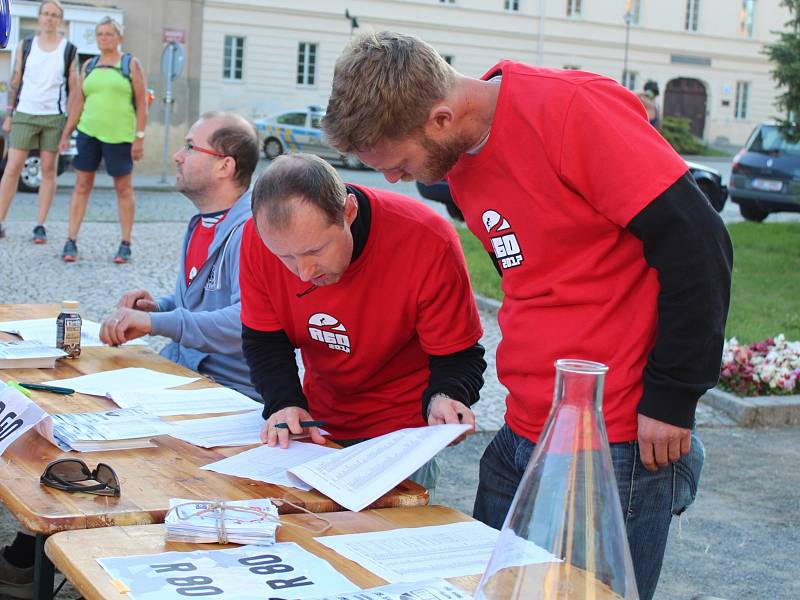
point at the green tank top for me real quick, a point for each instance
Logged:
(108, 112)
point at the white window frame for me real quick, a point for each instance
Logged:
(306, 68)
(511, 5)
(629, 79)
(747, 17)
(449, 59)
(692, 22)
(229, 67)
(742, 100)
(574, 8)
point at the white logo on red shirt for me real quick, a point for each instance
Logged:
(329, 331)
(504, 242)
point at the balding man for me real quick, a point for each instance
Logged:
(201, 318)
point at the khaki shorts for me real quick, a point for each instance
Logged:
(36, 132)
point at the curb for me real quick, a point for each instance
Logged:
(757, 411)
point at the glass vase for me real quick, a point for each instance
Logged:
(564, 535)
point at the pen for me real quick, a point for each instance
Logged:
(18, 387)
(302, 424)
(47, 388)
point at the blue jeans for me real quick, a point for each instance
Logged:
(648, 499)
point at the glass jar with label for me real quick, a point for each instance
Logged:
(68, 329)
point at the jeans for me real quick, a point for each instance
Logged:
(648, 499)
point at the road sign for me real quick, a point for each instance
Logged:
(5, 22)
(173, 35)
(172, 61)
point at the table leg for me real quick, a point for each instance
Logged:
(43, 572)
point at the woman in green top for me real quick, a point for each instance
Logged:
(110, 115)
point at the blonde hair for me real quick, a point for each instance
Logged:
(109, 21)
(55, 3)
(384, 86)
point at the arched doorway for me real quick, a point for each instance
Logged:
(687, 98)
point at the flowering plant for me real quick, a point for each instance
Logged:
(771, 367)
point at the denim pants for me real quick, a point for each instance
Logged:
(648, 499)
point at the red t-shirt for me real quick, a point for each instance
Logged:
(365, 340)
(200, 242)
(570, 160)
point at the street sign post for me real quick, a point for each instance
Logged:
(172, 59)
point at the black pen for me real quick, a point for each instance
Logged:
(302, 424)
(47, 388)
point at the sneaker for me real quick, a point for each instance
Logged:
(39, 234)
(123, 253)
(15, 582)
(70, 251)
(2, 231)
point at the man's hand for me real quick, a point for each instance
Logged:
(63, 144)
(292, 416)
(138, 299)
(7, 125)
(443, 409)
(661, 443)
(124, 325)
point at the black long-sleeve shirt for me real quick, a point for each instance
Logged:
(271, 358)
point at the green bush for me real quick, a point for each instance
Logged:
(676, 130)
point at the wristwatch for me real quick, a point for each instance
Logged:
(140, 135)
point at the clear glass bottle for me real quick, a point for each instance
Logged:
(68, 329)
(564, 536)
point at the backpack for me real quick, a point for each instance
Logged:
(124, 69)
(70, 50)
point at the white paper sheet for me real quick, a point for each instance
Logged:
(17, 415)
(166, 403)
(357, 476)
(430, 589)
(44, 331)
(271, 464)
(106, 383)
(230, 430)
(282, 570)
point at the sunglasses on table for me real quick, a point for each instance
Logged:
(73, 475)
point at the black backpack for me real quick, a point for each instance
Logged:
(70, 50)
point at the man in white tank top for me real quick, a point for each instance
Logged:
(37, 99)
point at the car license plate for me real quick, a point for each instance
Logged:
(767, 185)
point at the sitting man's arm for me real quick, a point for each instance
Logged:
(273, 371)
(454, 385)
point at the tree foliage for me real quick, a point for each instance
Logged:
(785, 56)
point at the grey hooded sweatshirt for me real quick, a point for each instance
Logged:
(202, 319)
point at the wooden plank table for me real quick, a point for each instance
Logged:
(149, 477)
(74, 552)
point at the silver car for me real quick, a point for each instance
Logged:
(299, 131)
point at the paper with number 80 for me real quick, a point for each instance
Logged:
(280, 571)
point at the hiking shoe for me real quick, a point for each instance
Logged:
(123, 253)
(70, 251)
(39, 234)
(15, 582)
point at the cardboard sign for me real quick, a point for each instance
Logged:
(17, 415)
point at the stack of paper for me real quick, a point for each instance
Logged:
(106, 383)
(430, 589)
(28, 355)
(165, 403)
(200, 522)
(122, 429)
(44, 332)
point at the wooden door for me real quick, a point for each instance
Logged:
(687, 98)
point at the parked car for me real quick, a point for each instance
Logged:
(708, 180)
(299, 131)
(31, 175)
(765, 177)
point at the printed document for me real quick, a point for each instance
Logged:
(431, 589)
(106, 383)
(165, 403)
(271, 464)
(44, 332)
(23, 354)
(357, 476)
(17, 415)
(231, 430)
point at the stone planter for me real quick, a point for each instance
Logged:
(756, 411)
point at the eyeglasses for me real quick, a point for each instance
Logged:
(49, 14)
(67, 474)
(190, 147)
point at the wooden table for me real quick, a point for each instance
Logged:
(74, 552)
(149, 477)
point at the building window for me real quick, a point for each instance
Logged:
(448, 58)
(573, 8)
(746, 15)
(742, 94)
(571, 67)
(306, 63)
(233, 58)
(634, 8)
(512, 5)
(692, 14)
(629, 79)
(447, 1)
